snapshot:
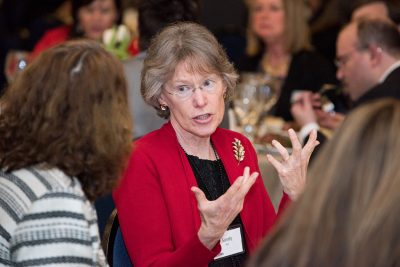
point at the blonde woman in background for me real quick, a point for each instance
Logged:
(278, 44)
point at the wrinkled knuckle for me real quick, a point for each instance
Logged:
(201, 208)
(284, 172)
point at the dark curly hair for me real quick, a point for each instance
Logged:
(78, 5)
(68, 109)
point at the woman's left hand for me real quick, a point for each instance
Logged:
(292, 168)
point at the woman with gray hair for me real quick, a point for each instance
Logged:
(190, 195)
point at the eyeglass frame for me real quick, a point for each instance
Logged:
(194, 87)
(342, 60)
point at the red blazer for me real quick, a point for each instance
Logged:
(51, 38)
(157, 211)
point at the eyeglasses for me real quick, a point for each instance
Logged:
(342, 60)
(185, 91)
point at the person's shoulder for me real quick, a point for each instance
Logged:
(26, 182)
(37, 181)
(51, 38)
(155, 139)
(394, 76)
(390, 86)
(58, 32)
(34, 188)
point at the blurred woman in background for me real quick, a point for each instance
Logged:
(278, 44)
(90, 19)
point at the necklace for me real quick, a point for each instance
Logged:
(278, 70)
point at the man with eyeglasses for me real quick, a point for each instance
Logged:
(368, 61)
(368, 56)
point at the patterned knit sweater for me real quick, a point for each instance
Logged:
(46, 220)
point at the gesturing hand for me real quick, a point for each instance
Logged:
(292, 168)
(217, 215)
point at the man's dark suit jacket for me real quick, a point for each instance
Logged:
(390, 87)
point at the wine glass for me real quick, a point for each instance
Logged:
(254, 97)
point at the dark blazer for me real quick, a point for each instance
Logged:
(390, 87)
(308, 70)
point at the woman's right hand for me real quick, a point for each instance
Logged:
(217, 215)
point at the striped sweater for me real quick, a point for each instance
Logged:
(46, 220)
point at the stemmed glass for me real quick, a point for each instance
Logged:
(254, 97)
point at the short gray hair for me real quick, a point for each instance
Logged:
(178, 43)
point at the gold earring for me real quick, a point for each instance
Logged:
(163, 107)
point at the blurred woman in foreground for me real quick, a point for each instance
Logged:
(64, 140)
(349, 213)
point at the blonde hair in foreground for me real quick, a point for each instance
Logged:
(349, 214)
(69, 110)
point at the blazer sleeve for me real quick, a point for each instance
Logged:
(145, 222)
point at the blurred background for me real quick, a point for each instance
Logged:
(23, 23)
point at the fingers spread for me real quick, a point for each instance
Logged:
(281, 149)
(241, 186)
(295, 140)
(277, 165)
(312, 142)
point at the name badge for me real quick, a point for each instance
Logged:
(231, 242)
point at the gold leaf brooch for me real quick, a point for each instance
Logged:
(238, 150)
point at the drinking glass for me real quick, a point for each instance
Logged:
(254, 97)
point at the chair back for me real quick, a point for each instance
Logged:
(113, 243)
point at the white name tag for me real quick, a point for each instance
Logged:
(231, 243)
